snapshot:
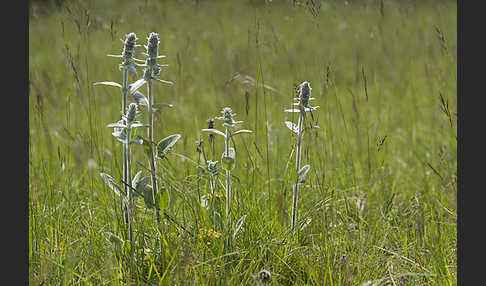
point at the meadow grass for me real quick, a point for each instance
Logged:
(379, 203)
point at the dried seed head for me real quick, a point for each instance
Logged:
(199, 145)
(265, 276)
(131, 112)
(153, 45)
(129, 47)
(210, 123)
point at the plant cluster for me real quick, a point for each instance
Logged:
(149, 187)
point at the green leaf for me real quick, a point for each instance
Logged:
(113, 238)
(111, 183)
(148, 198)
(164, 146)
(302, 175)
(228, 160)
(163, 199)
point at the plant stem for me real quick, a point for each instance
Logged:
(125, 146)
(129, 180)
(153, 166)
(297, 167)
(228, 193)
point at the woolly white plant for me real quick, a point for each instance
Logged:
(228, 160)
(303, 106)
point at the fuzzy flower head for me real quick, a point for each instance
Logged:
(303, 99)
(305, 94)
(131, 113)
(129, 46)
(153, 45)
(227, 117)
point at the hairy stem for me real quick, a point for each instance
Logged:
(297, 167)
(129, 180)
(228, 193)
(153, 166)
(125, 146)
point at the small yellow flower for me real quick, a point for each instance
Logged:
(218, 194)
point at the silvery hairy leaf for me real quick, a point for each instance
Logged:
(138, 124)
(109, 83)
(120, 136)
(136, 178)
(164, 81)
(241, 131)
(117, 125)
(164, 146)
(302, 175)
(131, 69)
(215, 131)
(292, 126)
(291, 110)
(139, 98)
(140, 184)
(136, 85)
(111, 183)
(239, 224)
